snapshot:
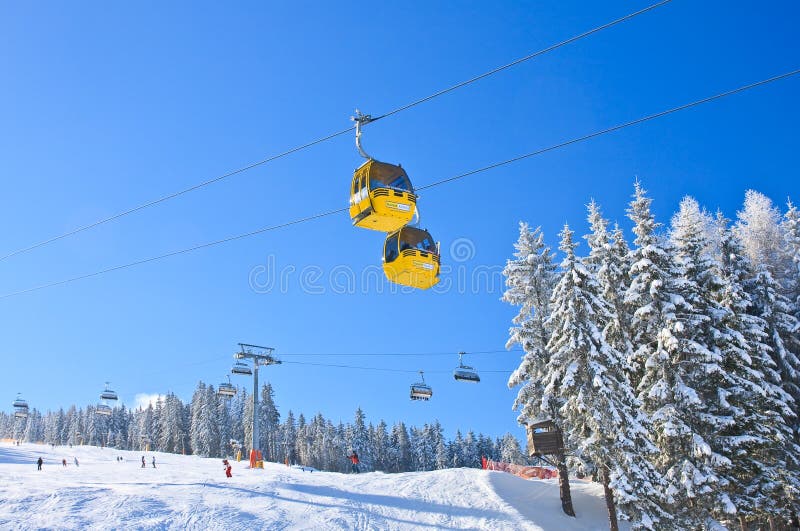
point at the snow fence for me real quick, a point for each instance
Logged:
(527, 472)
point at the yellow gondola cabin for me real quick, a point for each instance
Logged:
(381, 197)
(411, 258)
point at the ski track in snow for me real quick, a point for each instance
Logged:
(189, 492)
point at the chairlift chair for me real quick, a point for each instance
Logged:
(103, 409)
(226, 389)
(465, 373)
(108, 394)
(241, 367)
(421, 390)
(20, 407)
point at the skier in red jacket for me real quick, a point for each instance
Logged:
(354, 459)
(227, 466)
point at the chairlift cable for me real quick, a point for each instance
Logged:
(431, 185)
(330, 136)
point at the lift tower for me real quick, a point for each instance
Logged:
(261, 356)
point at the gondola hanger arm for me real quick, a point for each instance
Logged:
(361, 119)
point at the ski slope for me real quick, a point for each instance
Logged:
(188, 492)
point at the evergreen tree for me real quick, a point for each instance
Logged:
(758, 228)
(707, 360)
(668, 363)
(225, 429)
(529, 278)
(269, 427)
(380, 447)
(401, 448)
(510, 450)
(358, 439)
(587, 385)
(289, 438)
(761, 411)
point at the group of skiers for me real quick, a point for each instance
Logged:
(353, 457)
(40, 462)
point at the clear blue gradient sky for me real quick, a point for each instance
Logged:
(104, 106)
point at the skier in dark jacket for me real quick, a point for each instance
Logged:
(154, 461)
(143, 465)
(39, 463)
(354, 459)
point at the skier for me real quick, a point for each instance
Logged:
(354, 459)
(154, 461)
(64, 462)
(76, 461)
(39, 463)
(227, 466)
(143, 465)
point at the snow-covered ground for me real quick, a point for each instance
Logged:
(188, 492)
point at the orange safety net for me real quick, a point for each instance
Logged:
(527, 472)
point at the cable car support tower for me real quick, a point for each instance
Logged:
(261, 356)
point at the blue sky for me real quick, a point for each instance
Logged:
(106, 106)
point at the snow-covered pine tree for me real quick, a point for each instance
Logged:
(210, 422)
(758, 227)
(781, 328)
(289, 438)
(670, 362)
(790, 227)
(710, 362)
(756, 441)
(76, 427)
(401, 448)
(379, 441)
(529, 279)
(608, 260)
(358, 440)
(469, 452)
(154, 427)
(302, 443)
(195, 424)
(34, 427)
(649, 275)
(269, 431)
(510, 450)
(225, 429)
(173, 426)
(236, 413)
(586, 384)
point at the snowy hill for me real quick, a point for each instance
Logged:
(188, 492)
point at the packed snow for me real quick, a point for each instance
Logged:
(189, 492)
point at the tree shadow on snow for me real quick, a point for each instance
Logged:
(14, 456)
(413, 505)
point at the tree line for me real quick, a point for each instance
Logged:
(670, 365)
(212, 426)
